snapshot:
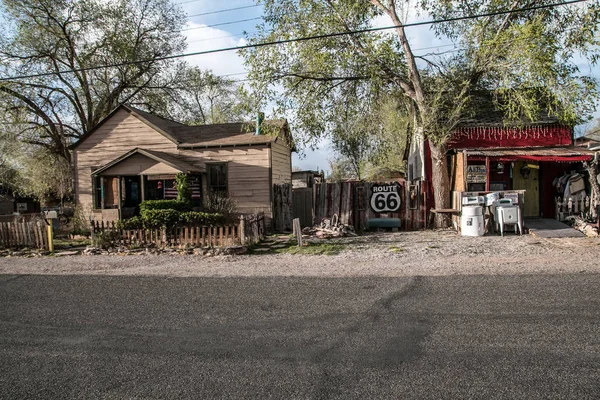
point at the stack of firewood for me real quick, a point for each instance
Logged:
(329, 228)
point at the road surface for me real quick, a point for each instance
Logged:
(119, 337)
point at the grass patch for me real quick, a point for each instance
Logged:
(326, 249)
(395, 249)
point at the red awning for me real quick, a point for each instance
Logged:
(554, 154)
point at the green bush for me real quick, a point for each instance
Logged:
(131, 223)
(105, 239)
(200, 218)
(150, 205)
(159, 218)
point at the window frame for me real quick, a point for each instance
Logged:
(209, 184)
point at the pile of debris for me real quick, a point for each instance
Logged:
(329, 228)
(588, 228)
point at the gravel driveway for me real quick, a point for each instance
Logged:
(381, 254)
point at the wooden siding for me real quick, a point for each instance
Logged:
(139, 164)
(118, 135)
(281, 163)
(247, 174)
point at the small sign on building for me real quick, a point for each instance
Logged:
(476, 174)
(21, 207)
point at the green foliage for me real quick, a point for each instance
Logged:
(200, 218)
(184, 192)
(516, 56)
(204, 98)
(149, 205)
(105, 239)
(136, 222)
(158, 218)
(52, 36)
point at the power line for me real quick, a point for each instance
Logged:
(301, 39)
(220, 24)
(221, 11)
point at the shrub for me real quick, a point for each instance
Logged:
(159, 218)
(150, 205)
(184, 192)
(132, 223)
(105, 239)
(218, 203)
(200, 218)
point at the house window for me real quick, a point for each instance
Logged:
(97, 191)
(217, 178)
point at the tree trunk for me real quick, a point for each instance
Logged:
(592, 169)
(441, 184)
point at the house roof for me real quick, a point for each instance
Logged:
(171, 160)
(232, 134)
(487, 114)
(213, 135)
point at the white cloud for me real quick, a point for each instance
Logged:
(203, 38)
(315, 160)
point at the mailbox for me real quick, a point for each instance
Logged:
(51, 214)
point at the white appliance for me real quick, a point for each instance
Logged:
(507, 213)
(472, 222)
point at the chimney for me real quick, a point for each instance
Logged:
(259, 120)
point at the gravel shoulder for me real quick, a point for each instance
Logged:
(433, 253)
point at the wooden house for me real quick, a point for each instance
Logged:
(132, 156)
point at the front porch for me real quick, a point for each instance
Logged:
(121, 185)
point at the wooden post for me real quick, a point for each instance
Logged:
(298, 231)
(242, 231)
(119, 195)
(487, 174)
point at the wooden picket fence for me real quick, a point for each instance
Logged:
(32, 234)
(249, 230)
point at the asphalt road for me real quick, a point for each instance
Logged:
(478, 337)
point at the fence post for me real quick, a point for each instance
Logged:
(242, 231)
(50, 238)
(297, 231)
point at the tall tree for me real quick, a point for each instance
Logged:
(520, 55)
(199, 97)
(59, 45)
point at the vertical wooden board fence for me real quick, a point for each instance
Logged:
(282, 207)
(32, 234)
(351, 202)
(302, 205)
(250, 230)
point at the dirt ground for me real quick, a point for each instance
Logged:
(380, 254)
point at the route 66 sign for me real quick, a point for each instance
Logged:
(385, 198)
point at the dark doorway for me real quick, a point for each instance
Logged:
(132, 191)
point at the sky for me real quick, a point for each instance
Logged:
(214, 30)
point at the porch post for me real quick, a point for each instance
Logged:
(119, 195)
(487, 174)
(143, 186)
(102, 193)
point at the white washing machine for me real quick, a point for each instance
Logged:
(472, 222)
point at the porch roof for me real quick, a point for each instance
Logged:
(171, 160)
(564, 154)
